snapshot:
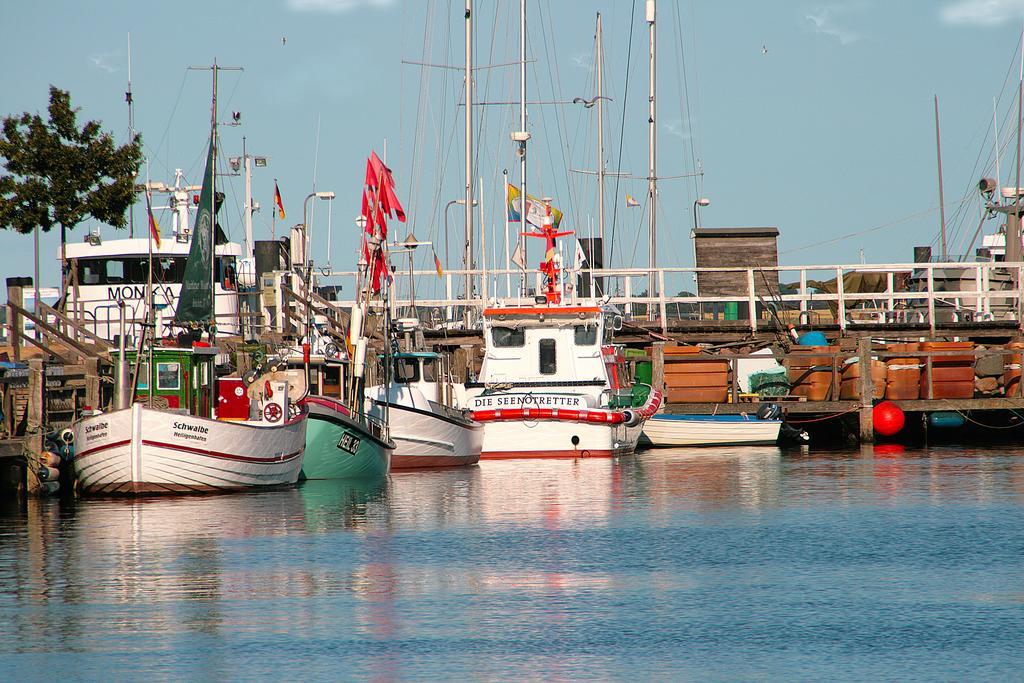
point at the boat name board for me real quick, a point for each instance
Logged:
(349, 443)
(190, 432)
(96, 431)
(121, 292)
(528, 401)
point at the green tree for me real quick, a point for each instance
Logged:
(57, 173)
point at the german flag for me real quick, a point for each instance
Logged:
(277, 201)
(154, 228)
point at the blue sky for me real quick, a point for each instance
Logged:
(813, 117)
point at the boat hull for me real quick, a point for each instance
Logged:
(338, 447)
(710, 430)
(424, 439)
(141, 451)
(552, 439)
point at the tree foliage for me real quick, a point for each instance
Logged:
(59, 174)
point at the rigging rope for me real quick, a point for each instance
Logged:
(622, 128)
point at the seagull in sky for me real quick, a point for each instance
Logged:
(591, 102)
(764, 49)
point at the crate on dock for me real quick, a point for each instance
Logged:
(903, 373)
(849, 386)
(952, 376)
(1012, 369)
(695, 377)
(810, 371)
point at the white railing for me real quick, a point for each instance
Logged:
(912, 293)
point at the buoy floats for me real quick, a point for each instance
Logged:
(888, 418)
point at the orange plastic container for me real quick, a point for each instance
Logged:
(951, 376)
(694, 377)
(849, 388)
(1012, 369)
(903, 373)
(810, 372)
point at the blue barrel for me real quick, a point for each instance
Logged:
(812, 339)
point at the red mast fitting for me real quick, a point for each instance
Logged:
(549, 266)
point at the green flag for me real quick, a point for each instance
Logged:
(195, 305)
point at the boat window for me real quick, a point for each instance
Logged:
(407, 370)
(129, 270)
(226, 272)
(507, 337)
(168, 375)
(547, 356)
(607, 336)
(168, 270)
(114, 271)
(586, 335)
(429, 369)
(89, 272)
(143, 382)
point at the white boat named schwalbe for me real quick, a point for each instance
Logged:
(710, 430)
(141, 450)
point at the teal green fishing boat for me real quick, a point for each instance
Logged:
(340, 447)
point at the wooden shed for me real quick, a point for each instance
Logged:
(737, 248)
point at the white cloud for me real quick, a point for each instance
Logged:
(675, 127)
(103, 61)
(335, 6)
(982, 12)
(583, 60)
(823, 21)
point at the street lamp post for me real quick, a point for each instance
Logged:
(460, 202)
(305, 226)
(703, 201)
(309, 263)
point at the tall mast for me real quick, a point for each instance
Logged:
(652, 145)
(247, 163)
(521, 137)
(600, 132)
(942, 203)
(131, 132)
(468, 260)
(213, 203)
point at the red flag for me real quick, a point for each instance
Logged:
(154, 229)
(278, 202)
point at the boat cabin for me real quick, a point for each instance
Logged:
(545, 344)
(420, 370)
(178, 378)
(551, 356)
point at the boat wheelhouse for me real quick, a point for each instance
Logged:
(427, 430)
(104, 273)
(553, 385)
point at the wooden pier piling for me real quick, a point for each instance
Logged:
(867, 390)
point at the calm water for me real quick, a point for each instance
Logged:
(684, 565)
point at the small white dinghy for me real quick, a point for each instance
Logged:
(745, 429)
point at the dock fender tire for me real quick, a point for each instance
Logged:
(630, 418)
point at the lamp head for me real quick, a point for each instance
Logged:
(325, 195)
(703, 201)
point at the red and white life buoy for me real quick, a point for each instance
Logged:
(631, 417)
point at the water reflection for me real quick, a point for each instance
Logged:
(537, 568)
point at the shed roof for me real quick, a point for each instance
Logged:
(736, 232)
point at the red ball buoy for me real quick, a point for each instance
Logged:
(888, 418)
